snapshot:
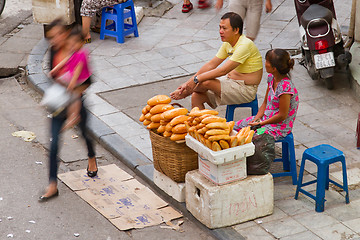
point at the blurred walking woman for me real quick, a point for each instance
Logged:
(57, 36)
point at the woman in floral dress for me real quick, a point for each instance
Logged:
(278, 111)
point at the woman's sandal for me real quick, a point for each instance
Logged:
(44, 199)
(203, 4)
(88, 40)
(187, 7)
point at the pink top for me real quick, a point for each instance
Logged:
(80, 56)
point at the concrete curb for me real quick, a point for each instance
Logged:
(115, 144)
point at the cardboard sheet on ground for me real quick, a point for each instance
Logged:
(119, 197)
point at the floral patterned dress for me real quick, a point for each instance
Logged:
(283, 128)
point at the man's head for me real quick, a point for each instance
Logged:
(231, 26)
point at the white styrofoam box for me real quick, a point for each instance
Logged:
(45, 11)
(172, 188)
(223, 173)
(237, 202)
(223, 156)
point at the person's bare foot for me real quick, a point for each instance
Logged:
(92, 164)
(51, 192)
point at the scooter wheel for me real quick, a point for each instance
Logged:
(329, 82)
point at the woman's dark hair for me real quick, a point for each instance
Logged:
(235, 21)
(280, 59)
(77, 31)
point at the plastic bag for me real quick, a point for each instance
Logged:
(56, 98)
(260, 162)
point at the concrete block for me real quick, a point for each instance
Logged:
(45, 11)
(172, 188)
(237, 202)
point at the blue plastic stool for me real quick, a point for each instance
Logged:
(288, 158)
(230, 109)
(119, 29)
(322, 155)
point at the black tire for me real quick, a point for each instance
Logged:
(329, 82)
(2, 6)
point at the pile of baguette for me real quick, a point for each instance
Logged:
(204, 125)
(161, 116)
(214, 132)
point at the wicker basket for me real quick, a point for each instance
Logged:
(171, 158)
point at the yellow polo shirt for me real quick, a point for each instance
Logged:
(244, 52)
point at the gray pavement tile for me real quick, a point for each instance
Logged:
(122, 60)
(135, 68)
(161, 63)
(346, 139)
(140, 141)
(115, 119)
(293, 207)
(314, 119)
(341, 114)
(98, 86)
(207, 55)
(100, 63)
(148, 56)
(31, 31)
(341, 211)
(353, 224)
(98, 128)
(148, 21)
(216, 44)
(18, 45)
(332, 129)
(193, 68)
(335, 232)
(283, 227)
(277, 214)
(169, 22)
(171, 51)
(102, 109)
(255, 232)
(172, 72)
(186, 59)
(244, 225)
(312, 220)
(305, 108)
(207, 34)
(284, 190)
(308, 136)
(148, 77)
(302, 236)
(172, 41)
(92, 99)
(11, 60)
(353, 175)
(273, 24)
(198, 16)
(283, 13)
(130, 129)
(147, 152)
(196, 47)
(108, 47)
(187, 31)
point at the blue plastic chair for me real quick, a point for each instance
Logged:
(322, 155)
(230, 109)
(119, 29)
(288, 158)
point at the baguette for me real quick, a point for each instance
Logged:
(202, 130)
(147, 122)
(170, 114)
(241, 139)
(155, 118)
(249, 137)
(148, 116)
(231, 125)
(211, 119)
(233, 141)
(208, 143)
(203, 112)
(200, 125)
(219, 137)
(153, 125)
(145, 110)
(221, 125)
(160, 108)
(179, 129)
(179, 119)
(159, 99)
(177, 137)
(161, 129)
(212, 132)
(163, 122)
(142, 117)
(168, 127)
(215, 146)
(167, 134)
(224, 144)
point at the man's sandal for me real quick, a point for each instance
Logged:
(187, 7)
(203, 4)
(88, 40)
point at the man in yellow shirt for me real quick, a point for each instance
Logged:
(234, 82)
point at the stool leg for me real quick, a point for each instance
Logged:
(301, 173)
(120, 26)
(103, 25)
(229, 115)
(292, 161)
(320, 189)
(327, 178)
(345, 183)
(133, 20)
(285, 156)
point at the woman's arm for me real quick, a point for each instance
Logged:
(59, 66)
(261, 111)
(75, 77)
(284, 106)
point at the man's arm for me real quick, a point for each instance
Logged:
(217, 72)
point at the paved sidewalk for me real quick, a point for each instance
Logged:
(174, 46)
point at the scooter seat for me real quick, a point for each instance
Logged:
(316, 11)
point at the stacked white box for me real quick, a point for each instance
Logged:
(233, 203)
(172, 188)
(224, 166)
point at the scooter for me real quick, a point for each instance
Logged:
(2, 5)
(322, 45)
